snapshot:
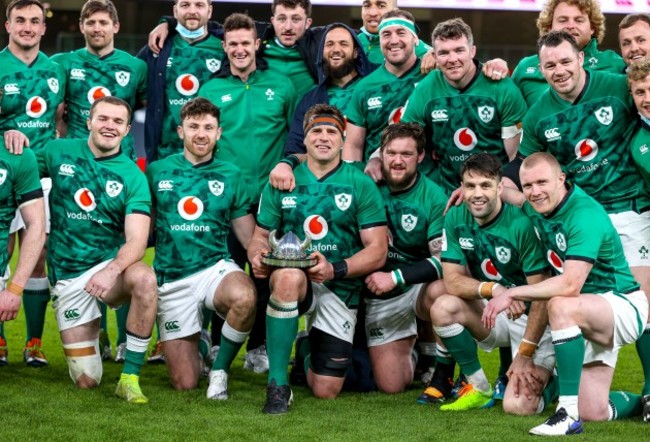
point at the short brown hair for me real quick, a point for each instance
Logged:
(398, 13)
(20, 4)
(200, 106)
(110, 99)
(237, 21)
(94, 6)
(324, 110)
(292, 4)
(452, 29)
(631, 19)
(403, 130)
(589, 7)
(638, 71)
(483, 164)
(555, 38)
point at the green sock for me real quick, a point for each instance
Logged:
(505, 358)
(120, 316)
(569, 354)
(136, 349)
(623, 404)
(2, 330)
(231, 342)
(281, 330)
(303, 354)
(35, 299)
(551, 391)
(643, 349)
(461, 345)
(103, 323)
(207, 318)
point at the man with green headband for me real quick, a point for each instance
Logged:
(342, 212)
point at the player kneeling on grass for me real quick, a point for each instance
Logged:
(594, 304)
(196, 198)
(489, 245)
(407, 285)
(100, 215)
(342, 211)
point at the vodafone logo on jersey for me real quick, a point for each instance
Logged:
(190, 208)
(316, 226)
(85, 200)
(396, 115)
(586, 150)
(187, 84)
(555, 261)
(465, 139)
(98, 92)
(36, 107)
(490, 271)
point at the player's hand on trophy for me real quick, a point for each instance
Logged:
(260, 270)
(322, 271)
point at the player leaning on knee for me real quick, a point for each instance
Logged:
(411, 279)
(594, 304)
(196, 200)
(100, 223)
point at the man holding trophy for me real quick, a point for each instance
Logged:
(339, 213)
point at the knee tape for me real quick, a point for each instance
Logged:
(84, 358)
(330, 356)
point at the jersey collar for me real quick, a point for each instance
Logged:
(203, 164)
(584, 89)
(479, 66)
(110, 157)
(330, 173)
(495, 219)
(407, 190)
(562, 203)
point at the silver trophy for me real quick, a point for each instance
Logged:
(288, 251)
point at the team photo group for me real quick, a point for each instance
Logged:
(409, 202)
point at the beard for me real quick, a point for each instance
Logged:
(339, 71)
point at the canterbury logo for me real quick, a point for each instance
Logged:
(11, 88)
(552, 134)
(288, 201)
(78, 74)
(466, 243)
(439, 115)
(66, 169)
(165, 185)
(376, 333)
(172, 326)
(71, 314)
(374, 102)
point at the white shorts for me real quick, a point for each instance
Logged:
(5, 278)
(180, 303)
(330, 315)
(634, 230)
(388, 320)
(630, 316)
(18, 224)
(74, 306)
(508, 333)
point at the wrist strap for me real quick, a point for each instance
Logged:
(340, 269)
(15, 289)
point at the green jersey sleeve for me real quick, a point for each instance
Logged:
(451, 248)
(269, 216)
(138, 196)
(510, 104)
(27, 185)
(371, 211)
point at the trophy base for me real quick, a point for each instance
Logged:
(269, 260)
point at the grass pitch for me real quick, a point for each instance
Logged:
(43, 405)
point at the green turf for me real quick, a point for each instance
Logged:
(42, 404)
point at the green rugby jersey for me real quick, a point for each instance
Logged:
(378, 100)
(579, 229)
(372, 48)
(332, 210)
(89, 201)
(590, 139)
(255, 117)
(640, 147)
(19, 183)
(190, 65)
(341, 97)
(532, 83)
(30, 96)
(462, 122)
(504, 250)
(415, 218)
(90, 77)
(288, 61)
(194, 205)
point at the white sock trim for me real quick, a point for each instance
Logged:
(565, 333)
(233, 335)
(449, 331)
